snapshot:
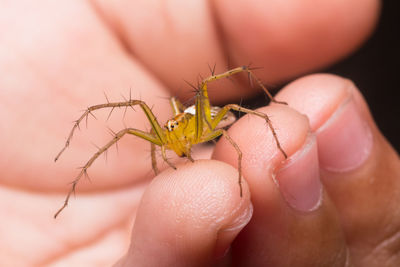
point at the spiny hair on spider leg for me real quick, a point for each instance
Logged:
(130, 100)
(90, 113)
(109, 114)
(189, 101)
(252, 68)
(213, 69)
(76, 124)
(86, 175)
(95, 145)
(108, 101)
(191, 85)
(198, 80)
(111, 132)
(163, 97)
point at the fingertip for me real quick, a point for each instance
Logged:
(189, 215)
(256, 140)
(317, 96)
(359, 168)
(288, 195)
(264, 164)
(336, 114)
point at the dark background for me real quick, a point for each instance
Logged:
(375, 69)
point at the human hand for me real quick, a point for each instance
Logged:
(54, 64)
(350, 219)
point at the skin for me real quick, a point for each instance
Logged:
(58, 58)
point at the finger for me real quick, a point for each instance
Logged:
(188, 216)
(50, 80)
(360, 169)
(294, 222)
(177, 39)
(296, 36)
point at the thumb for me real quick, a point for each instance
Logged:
(188, 216)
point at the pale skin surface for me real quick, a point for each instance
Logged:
(57, 58)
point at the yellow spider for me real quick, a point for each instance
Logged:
(190, 126)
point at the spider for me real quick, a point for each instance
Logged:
(190, 126)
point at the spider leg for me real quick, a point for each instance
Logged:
(202, 103)
(153, 155)
(130, 103)
(251, 76)
(177, 106)
(189, 156)
(147, 136)
(239, 152)
(228, 107)
(164, 155)
(154, 159)
(223, 132)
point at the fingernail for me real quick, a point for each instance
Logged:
(229, 232)
(299, 179)
(345, 139)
